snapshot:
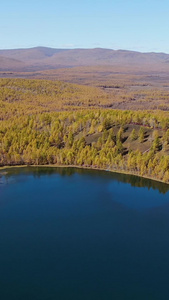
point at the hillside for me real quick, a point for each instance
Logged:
(119, 92)
(128, 79)
(26, 97)
(41, 58)
(8, 64)
(53, 122)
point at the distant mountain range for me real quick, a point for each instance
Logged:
(42, 58)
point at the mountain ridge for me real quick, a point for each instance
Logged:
(42, 58)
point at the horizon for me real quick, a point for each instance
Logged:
(111, 24)
(94, 48)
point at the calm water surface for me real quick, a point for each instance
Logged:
(82, 235)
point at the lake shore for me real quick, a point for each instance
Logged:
(82, 167)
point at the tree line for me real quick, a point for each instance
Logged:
(92, 138)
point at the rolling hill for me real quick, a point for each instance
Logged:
(42, 58)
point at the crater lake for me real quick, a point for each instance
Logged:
(79, 234)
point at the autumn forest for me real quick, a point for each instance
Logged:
(45, 122)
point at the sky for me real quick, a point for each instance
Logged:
(139, 25)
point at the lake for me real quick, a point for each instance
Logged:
(82, 235)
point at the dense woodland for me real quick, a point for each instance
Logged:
(49, 122)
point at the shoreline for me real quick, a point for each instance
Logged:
(81, 167)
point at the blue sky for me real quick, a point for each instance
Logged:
(117, 24)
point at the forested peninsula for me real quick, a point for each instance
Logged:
(55, 123)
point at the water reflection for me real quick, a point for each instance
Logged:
(138, 199)
(134, 181)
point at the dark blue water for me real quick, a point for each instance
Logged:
(85, 235)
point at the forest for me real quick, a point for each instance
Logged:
(46, 122)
